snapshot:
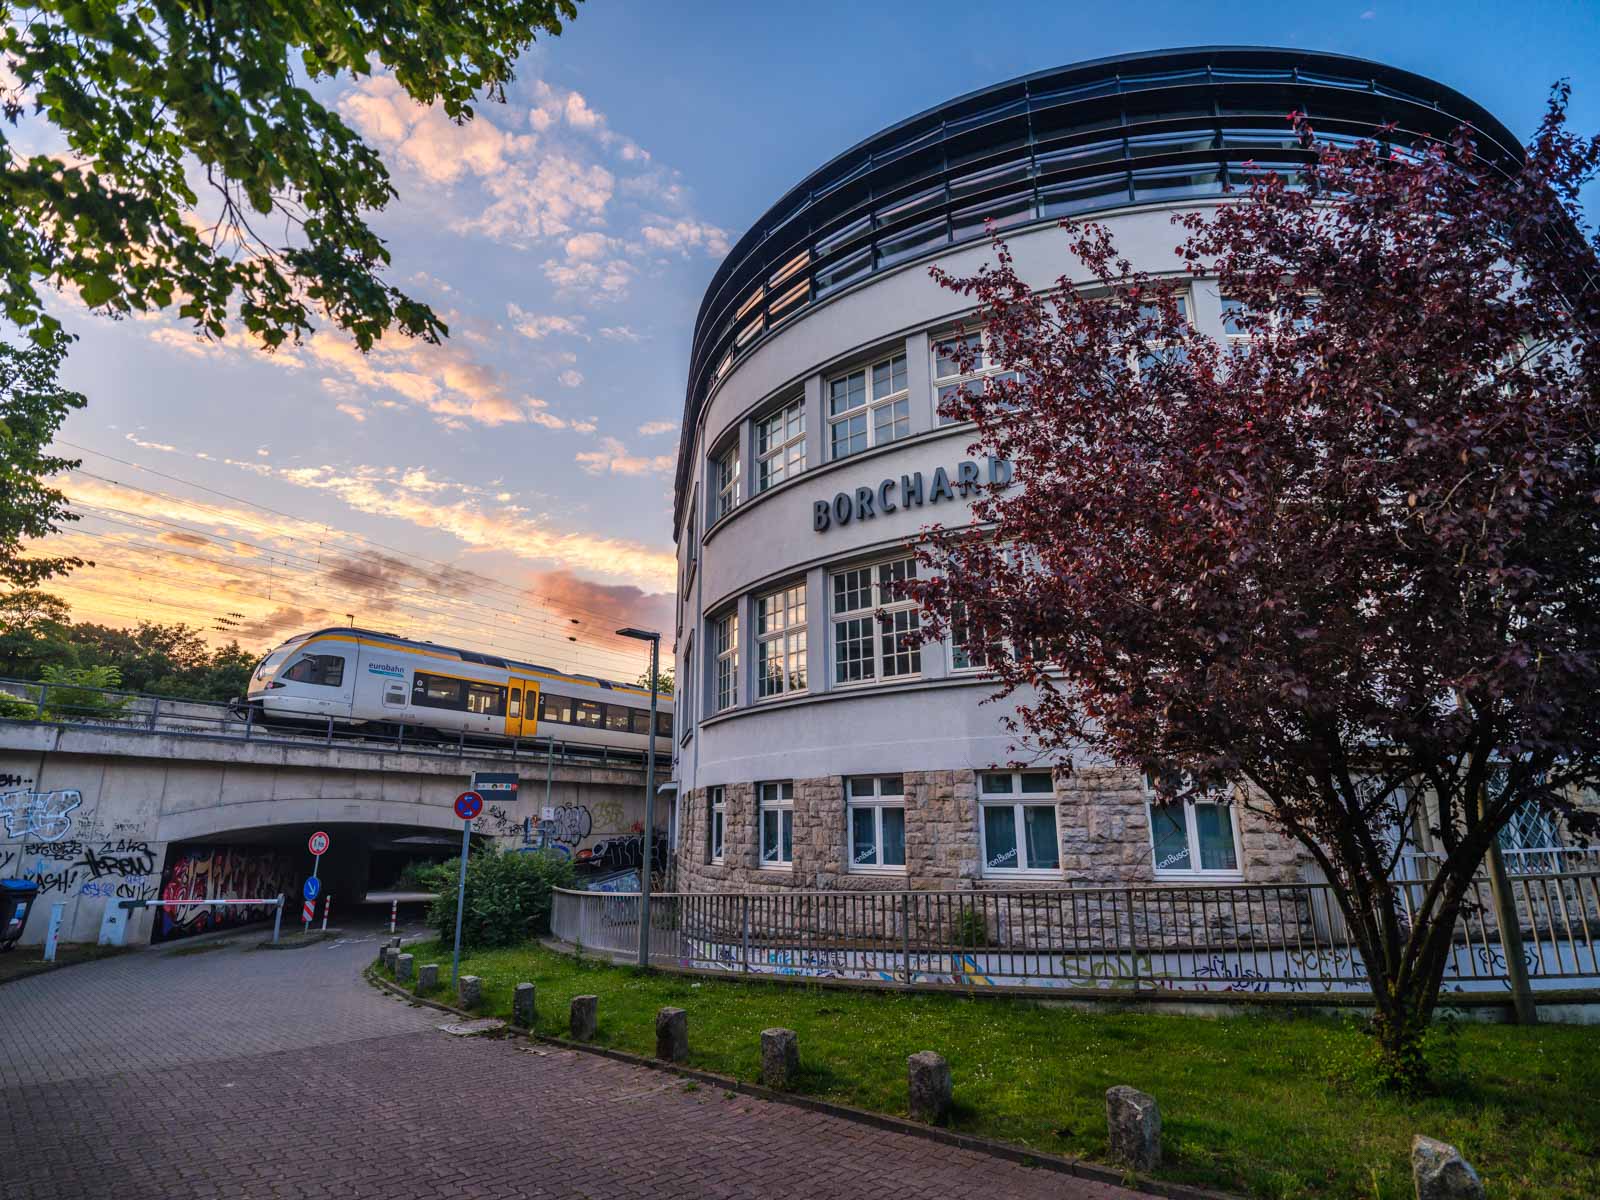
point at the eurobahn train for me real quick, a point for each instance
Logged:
(387, 685)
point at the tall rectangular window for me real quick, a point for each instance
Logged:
(781, 642)
(865, 646)
(716, 823)
(727, 646)
(777, 823)
(875, 807)
(1017, 823)
(1193, 837)
(725, 477)
(869, 407)
(781, 445)
(949, 378)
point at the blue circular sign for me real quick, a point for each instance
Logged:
(312, 887)
(468, 805)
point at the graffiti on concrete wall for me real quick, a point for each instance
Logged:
(573, 823)
(219, 873)
(42, 816)
(116, 869)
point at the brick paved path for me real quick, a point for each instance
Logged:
(251, 1074)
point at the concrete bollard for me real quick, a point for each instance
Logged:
(780, 1057)
(427, 977)
(672, 1035)
(469, 991)
(928, 1077)
(585, 1018)
(524, 1005)
(1134, 1121)
(1440, 1173)
(390, 954)
(402, 967)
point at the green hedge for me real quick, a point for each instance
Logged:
(508, 895)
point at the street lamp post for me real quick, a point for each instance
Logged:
(649, 791)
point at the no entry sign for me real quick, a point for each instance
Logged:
(468, 805)
(318, 843)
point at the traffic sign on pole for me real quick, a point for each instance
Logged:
(319, 843)
(469, 805)
(306, 911)
(311, 888)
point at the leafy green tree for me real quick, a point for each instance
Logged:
(79, 693)
(32, 407)
(35, 629)
(155, 98)
(665, 681)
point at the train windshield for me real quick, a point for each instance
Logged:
(268, 667)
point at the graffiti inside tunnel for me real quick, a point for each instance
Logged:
(219, 873)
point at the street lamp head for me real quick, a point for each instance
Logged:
(644, 635)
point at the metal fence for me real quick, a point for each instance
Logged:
(76, 707)
(1242, 937)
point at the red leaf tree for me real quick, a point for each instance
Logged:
(1346, 564)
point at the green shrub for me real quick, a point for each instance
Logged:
(426, 875)
(508, 895)
(971, 928)
(77, 693)
(14, 708)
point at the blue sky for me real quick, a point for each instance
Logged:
(567, 237)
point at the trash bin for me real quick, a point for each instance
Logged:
(16, 900)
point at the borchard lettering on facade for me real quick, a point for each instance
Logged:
(910, 491)
(823, 742)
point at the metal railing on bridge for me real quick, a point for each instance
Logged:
(1241, 937)
(76, 707)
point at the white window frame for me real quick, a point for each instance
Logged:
(1192, 831)
(884, 634)
(725, 645)
(785, 457)
(877, 801)
(782, 635)
(716, 825)
(1243, 337)
(775, 799)
(725, 481)
(992, 798)
(943, 385)
(872, 403)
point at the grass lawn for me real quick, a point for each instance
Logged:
(1266, 1104)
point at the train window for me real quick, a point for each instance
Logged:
(437, 691)
(515, 711)
(588, 713)
(324, 670)
(486, 699)
(664, 724)
(641, 721)
(617, 718)
(555, 708)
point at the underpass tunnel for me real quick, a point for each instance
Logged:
(363, 869)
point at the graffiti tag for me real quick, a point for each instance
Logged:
(43, 815)
(573, 824)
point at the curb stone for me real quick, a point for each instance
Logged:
(1040, 1159)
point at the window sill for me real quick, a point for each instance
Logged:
(1023, 873)
(1199, 876)
(788, 866)
(890, 871)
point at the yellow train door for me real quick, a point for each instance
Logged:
(522, 707)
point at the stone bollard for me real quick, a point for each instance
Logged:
(585, 1018)
(427, 977)
(780, 1057)
(672, 1035)
(395, 942)
(1440, 1173)
(524, 1006)
(402, 967)
(928, 1075)
(469, 991)
(1134, 1121)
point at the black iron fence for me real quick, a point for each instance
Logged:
(1241, 937)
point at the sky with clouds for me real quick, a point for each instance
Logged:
(510, 489)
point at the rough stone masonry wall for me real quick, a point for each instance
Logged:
(1105, 844)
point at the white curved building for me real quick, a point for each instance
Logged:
(814, 750)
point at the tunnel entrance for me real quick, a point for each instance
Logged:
(364, 868)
